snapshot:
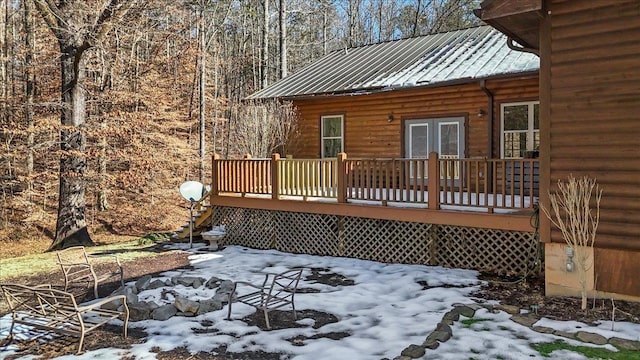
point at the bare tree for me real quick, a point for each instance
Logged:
(77, 26)
(266, 127)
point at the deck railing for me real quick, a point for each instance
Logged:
(489, 184)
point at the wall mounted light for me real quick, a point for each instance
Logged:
(568, 263)
(480, 113)
(390, 118)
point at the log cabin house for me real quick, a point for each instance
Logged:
(465, 113)
(589, 125)
(420, 150)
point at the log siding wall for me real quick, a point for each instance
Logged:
(369, 134)
(594, 123)
(590, 125)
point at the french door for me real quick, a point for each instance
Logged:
(442, 135)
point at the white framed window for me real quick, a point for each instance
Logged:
(520, 129)
(332, 128)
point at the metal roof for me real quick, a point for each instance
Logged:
(470, 54)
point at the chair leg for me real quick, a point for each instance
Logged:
(95, 289)
(293, 306)
(230, 302)
(266, 318)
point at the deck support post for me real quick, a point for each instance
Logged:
(342, 178)
(214, 177)
(433, 185)
(275, 183)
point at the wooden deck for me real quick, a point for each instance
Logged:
(483, 193)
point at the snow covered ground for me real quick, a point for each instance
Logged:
(385, 311)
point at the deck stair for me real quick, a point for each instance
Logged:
(201, 221)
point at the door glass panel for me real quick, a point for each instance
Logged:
(419, 141)
(449, 137)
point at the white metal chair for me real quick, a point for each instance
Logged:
(277, 290)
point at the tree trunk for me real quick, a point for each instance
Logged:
(29, 91)
(71, 227)
(265, 47)
(283, 39)
(201, 100)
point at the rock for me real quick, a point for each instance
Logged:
(465, 311)
(413, 351)
(543, 329)
(186, 306)
(226, 286)
(401, 358)
(568, 335)
(451, 315)
(440, 335)
(431, 344)
(591, 338)
(212, 283)
(164, 312)
(625, 344)
(139, 311)
(112, 305)
(131, 294)
(208, 306)
(509, 309)
(192, 281)
(156, 284)
(525, 320)
(143, 283)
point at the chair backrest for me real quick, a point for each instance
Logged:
(73, 255)
(285, 282)
(41, 300)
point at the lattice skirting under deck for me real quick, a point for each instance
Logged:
(495, 251)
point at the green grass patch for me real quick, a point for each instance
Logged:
(545, 349)
(468, 322)
(35, 264)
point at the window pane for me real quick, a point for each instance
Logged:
(516, 117)
(449, 140)
(515, 144)
(419, 141)
(332, 126)
(332, 147)
(536, 116)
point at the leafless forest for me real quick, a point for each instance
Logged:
(106, 107)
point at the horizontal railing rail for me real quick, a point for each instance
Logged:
(509, 184)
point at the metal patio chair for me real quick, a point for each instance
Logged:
(77, 268)
(276, 291)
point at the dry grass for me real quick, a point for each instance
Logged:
(45, 262)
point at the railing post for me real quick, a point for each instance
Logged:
(342, 178)
(214, 176)
(275, 183)
(434, 181)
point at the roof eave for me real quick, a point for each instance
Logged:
(518, 19)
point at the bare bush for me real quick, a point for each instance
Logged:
(571, 213)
